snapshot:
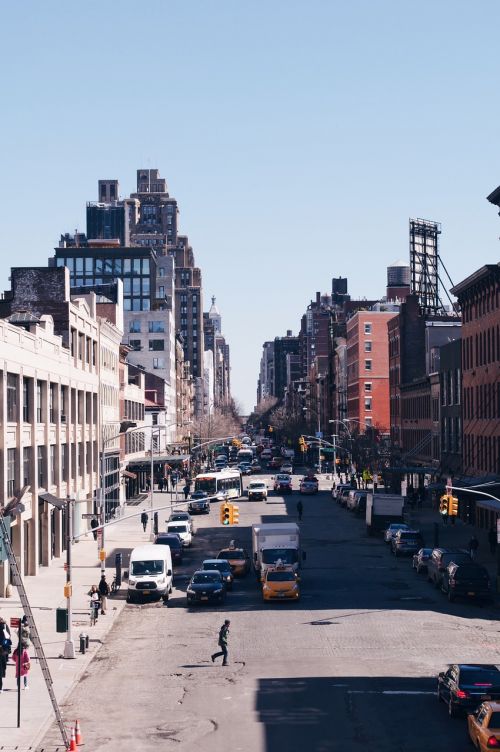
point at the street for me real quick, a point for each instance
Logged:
(351, 666)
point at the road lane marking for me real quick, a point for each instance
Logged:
(389, 692)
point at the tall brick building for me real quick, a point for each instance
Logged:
(479, 298)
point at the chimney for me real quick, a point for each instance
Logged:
(288, 332)
(318, 298)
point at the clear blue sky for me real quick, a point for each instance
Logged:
(298, 138)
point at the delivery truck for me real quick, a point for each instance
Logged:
(381, 510)
(273, 542)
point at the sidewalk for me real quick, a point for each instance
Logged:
(454, 536)
(45, 594)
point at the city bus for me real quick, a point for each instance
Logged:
(225, 484)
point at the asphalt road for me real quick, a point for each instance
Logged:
(350, 667)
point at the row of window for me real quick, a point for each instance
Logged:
(82, 347)
(489, 301)
(481, 349)
(482, 452)
(413, 408)
(154, 327)
(134, 410)
(117, 267)
(154, 345)
(482, 401)
(450, 385)
(49, 464)
(451, 434)
(33, 399)
(134, 442)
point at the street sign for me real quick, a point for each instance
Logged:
(89, 516)
(3, 551)
(15, 622)
(319, 434)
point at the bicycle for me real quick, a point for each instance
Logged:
(114, 586)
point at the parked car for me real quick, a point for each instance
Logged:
(308, 485)
(464, 686)
(484, 726)
(182, 528)
(286, 467)
(174, 542)
(206, 586)
(354, 498)
(406, 542)
(393, 529)
(182, 517)
(344, 495)
(224, 568)
(283, 483)
(420, 559)
(439, 560)
(467, 580)
(337, 490)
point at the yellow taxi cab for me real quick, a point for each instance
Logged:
(484, 726)
(280, 583)
(238, 559)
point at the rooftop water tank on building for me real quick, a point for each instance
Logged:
(398, 274)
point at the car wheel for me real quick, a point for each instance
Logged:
(165, 598)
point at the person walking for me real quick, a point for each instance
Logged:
(23, 665)
(4, 657)
(5, 636)
(223, 635)
(103, 592)
(300, 509)
(492, 539)
(186, 492)
(160, 484)
(144, 520)
(165, 480)
(95, 599)
(93, 525)
(25, 632)
(473, 546)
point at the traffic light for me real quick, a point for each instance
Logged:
(225, 514)
(452, 506)
(443, 504)
(234, 514)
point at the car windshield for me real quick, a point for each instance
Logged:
(494, 721)
(221, 565)
(178, 528)
(206, 484)
(234, 553)
(409, 536)
(179, 516)
(201, 578)
(287, 555)
(155, 566)
(283, 477)
(170, 541)
(396, 526)
(257, 486)
(280, 577)
(471, 572)
(476, 677)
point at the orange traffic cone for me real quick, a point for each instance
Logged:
(78, 733)
(72, 744)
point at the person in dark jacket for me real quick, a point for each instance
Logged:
(103, 592)
(223, 635)
(4, 657)
(300, 509)
(144, 520)
(93, 525)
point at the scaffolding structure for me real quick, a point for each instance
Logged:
(424, 263)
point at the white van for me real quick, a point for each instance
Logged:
(150, 572)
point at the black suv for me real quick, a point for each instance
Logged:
(469, 580)
(175, 543)
(439, 560)
(464, 686)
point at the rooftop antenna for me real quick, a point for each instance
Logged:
(76, 237)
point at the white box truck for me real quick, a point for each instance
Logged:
(275, 541)
(381, 510)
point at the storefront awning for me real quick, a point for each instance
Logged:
(54, 500)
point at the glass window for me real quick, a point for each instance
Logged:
(156, 344)
(88, 265)
(135, 344)
(127, 304)
(118, 267)
(161, 272)
(158, 362)
(12, 386)
(26, 400)
(137, 266)
(26, 466)
(145, 304)
(135, 326)
(368, 328)
(127, 285)
(107, 267)
(98, 266)
(11, 471)
(368, 346)
(368, 386)
(136, 286)
(136, 304)
(79, 265)
(127, 266)
(368, 403)
(145, 285)
(368, 365)
(145, 266)
(41, 465)
(156, 326)
(60, 262)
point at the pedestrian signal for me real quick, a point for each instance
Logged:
(234, 515)
(225, 514)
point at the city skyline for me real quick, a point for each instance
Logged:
(287, 136)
